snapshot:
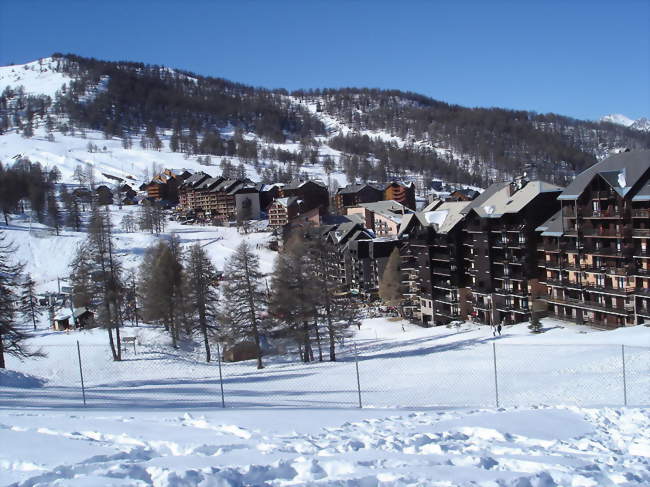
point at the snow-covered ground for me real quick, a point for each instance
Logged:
(516, 447)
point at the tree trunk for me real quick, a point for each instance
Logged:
(2, 353)
(204, 330)
(320, 348)
(305, 336)
(112, 343)
(119, 343)
(330, 330)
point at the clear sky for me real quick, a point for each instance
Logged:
(574, 57)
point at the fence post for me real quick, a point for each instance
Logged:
(356, 364)
(496, 381)
(624, 378)
(81, 374)
(223, 399)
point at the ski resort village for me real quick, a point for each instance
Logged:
(205, 283)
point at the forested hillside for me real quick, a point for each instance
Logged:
(369, 134)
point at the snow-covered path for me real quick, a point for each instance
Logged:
(538, 447)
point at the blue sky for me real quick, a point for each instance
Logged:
(577, 58)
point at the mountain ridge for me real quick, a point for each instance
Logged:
(365, 133)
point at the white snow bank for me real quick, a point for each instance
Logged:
(546, 447)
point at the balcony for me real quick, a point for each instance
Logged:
(443, 271)
(640, 213)
(590, 232)
(592, 305)
(641, 232)
(448, 298)
(611, 271)
(613, 214)
(604, 289)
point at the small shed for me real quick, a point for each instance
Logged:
(239, 352)
(83, 318)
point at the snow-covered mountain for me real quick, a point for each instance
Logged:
(641, 124)
(135, 115)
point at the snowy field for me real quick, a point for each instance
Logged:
(400, 365)
(517, 447)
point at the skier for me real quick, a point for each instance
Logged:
(499, 328)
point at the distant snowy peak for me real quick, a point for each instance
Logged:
(37, 77)
(618, 119)
(642, 124)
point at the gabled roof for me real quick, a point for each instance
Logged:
(343, 232)
(446, 216)
(355, 188)
(497, 201)
(388, 208)
(433, 205)
(209, 183)
(643, 194)
(622, 171)
(287, 202)
(295, 184)
(195, 178)
(552, 227)
(65, 314)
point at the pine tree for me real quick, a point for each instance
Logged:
(328, 291)
(160, 285)
(12, 337)
(201, 278)
(107, 276)
(53, 213)
(29, 301)
(244, 296)
(390, 282)
(294, 292)
(73, 215)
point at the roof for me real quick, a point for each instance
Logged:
(445, 217)
(388, 208)
(553, 226)
(467, 192)
(433, 205)
(64, 314)
(497, 201)
(299, 184)
(355, 188)
(287, 201)
(622, 171)
(409, 184)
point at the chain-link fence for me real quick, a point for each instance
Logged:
(370, 374)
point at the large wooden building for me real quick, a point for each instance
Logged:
(596, 256)
(432, 264)
(501, 241)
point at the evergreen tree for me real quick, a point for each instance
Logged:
(107, 277)
(390, 282)
(53, 213)
(160, 285)
(201, 278)
(244, 297)
(29, 301)
(12, 336)
(294, 292)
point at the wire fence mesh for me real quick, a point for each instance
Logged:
(364, 374)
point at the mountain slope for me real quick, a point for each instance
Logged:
(366, 134)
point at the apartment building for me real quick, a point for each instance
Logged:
(401, 192)
(500, 259)
(382, 217)
(355, 194)
(595, 254)
(432, 264)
